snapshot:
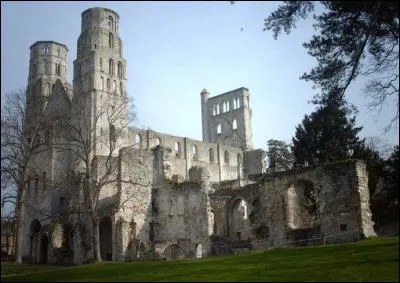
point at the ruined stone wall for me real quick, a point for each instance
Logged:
(181, 154)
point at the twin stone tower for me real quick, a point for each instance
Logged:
(189, 198)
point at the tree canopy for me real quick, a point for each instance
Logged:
(327, 134)
(352, 39)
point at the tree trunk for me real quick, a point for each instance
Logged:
(19, 212)
(96, 238)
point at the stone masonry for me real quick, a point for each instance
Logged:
(191, 198)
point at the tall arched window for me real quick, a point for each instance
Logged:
(217, 109)
(178, 149)
(121, 89)
(111, 22)
(214, 111)
(195, 152)
(226, 157)
(224, 107)
(48, 89)
(102, 83)
(101, 64)
(111, 67)
(119, 70)
(108, 84)
(227, 106)
(211, 151)
(237, 103)
(58, 52)
(111, 40)
(115, 85)
(234, 124)
(234, 103)
(219, 130)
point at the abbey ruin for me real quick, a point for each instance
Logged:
(173, 197)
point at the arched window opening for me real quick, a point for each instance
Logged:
(101, 64)
(224, 107)
(178, 149)
(214, 111)
(239, 159)
(111, 40)
(108, 84)
(226, 157)
(119, 70)
(121, 89)
(219, 129)
(114, 85)
(234, 103)
(48, 91)
(58, 52)
(111, 67)
(234, 124)
(58, 69)
(195, 153)
(211, 151)
(227, 106)
(111, 22)
(217, 109)
(45, 67)
(102, 83)
(238, 103)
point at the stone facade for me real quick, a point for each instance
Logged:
(191, 198)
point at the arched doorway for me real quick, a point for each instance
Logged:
(174, 252)
(34, 230)
(240, 228)
(105, 231)
(44, 243)
(199, 250)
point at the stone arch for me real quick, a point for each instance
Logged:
(174, 251)
(105, 232)
(226, 157)
(301, 205)
(239, 224)
(211, 152)
(199, 250)
(212, 224)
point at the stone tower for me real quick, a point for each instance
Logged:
(226, 118)
(48, 63)
(100, 81)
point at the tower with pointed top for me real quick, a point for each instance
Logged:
(100, 81)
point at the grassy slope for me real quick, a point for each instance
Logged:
(369, 260)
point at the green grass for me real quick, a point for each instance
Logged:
(375, 259)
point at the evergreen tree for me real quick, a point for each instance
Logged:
(327, 134)
(280, 157)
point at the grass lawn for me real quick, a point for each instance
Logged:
(375, 259)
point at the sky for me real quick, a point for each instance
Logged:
(176, 49)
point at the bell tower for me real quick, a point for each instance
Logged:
(100, 96)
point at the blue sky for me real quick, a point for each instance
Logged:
(175, 49)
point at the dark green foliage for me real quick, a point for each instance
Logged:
(326, 135)
(280, 157)
(351, 39)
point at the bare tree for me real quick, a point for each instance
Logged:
(20, 142)
(94, 139)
